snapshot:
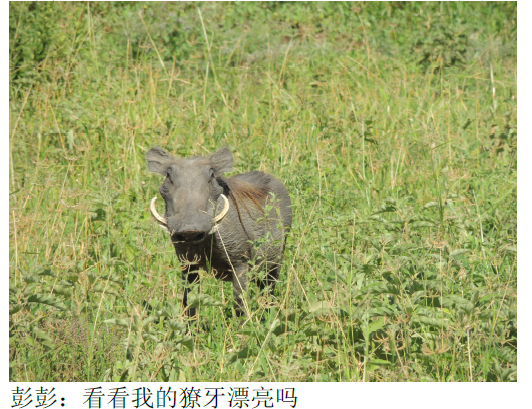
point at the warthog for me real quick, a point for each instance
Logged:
(229, 224)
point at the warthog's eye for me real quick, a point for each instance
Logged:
(212, 174)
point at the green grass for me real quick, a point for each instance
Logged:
(393, 126)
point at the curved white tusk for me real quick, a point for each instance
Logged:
(224, 211)
(161, 221)
(220, 216)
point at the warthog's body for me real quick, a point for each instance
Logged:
(252, 228)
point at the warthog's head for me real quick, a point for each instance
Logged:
(192, 193)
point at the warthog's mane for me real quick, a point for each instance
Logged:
(244, 193)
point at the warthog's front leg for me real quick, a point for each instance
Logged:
(190, 277)
(240, 286)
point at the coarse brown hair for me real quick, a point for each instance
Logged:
(244, 193)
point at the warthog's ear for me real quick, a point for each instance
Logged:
(158, 160)
(222, 161)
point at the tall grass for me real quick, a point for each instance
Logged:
(393, 126)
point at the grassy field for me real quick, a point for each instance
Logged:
(393, 126)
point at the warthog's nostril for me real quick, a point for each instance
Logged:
(190, 236)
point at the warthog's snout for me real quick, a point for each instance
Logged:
(189, 236)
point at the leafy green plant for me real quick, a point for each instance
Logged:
(441, 46)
